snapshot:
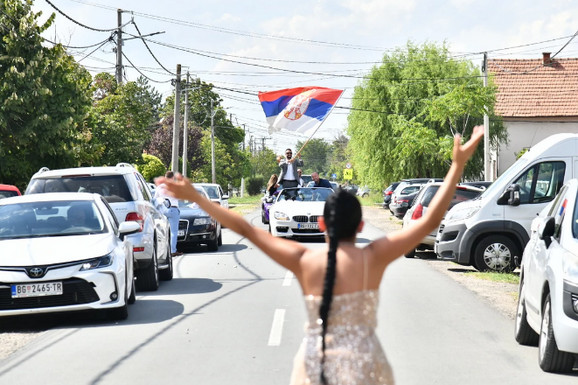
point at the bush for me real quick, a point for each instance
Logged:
(151, 167)
(254, 185)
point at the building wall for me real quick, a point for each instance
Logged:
(524, 134)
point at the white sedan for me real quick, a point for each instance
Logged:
(296, 210)
(63, 252)
(548, 295)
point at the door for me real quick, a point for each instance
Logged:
(538, 184)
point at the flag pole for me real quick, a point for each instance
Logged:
(323, 121)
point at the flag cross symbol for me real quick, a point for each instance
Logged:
(298, 105)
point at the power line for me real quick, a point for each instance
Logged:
(151, 52)
(79, 23)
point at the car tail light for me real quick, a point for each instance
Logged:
(389, 192)
(135, 217)
(418, 212)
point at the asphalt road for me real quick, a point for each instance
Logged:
(235, 317)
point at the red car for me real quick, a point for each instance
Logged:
(7, 190)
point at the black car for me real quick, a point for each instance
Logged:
(387, 194)
(403, 200)
(196, 227)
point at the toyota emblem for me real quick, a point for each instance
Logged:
(35, 272)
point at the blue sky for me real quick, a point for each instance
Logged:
(329, 43)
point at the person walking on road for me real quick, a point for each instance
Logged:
(340, 282)
(173, 213)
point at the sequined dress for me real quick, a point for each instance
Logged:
(353, 354)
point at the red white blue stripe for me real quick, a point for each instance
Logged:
(300, 109)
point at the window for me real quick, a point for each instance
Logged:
(541, 182)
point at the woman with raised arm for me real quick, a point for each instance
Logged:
(340, 283)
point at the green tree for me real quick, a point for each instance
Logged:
(314, 156)
(126, 115)
(204, 102)
(44, 97)
(406, 111)
(150, 167)
(338, 156)
(264, 164)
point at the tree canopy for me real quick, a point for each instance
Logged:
(405, 113)
(44, 97)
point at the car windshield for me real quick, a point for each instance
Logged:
(305, 194)
(52, 218)
(190, 204)
(7, 193)
(212, 191)
(112, 187)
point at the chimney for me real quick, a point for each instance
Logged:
(546, 58)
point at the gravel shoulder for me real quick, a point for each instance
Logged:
(500, 295)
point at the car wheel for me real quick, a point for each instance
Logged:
(410, 254)
(523, 333)
(166, 274)
(213, 245)
(148, 278)
(496, 253)
(220, 243)
(550, 358)
(132, 296)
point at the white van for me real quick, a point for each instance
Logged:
(490, 232)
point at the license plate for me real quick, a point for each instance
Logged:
(181, 233)
(36, 289)
(308, 226)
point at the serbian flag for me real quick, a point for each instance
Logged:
(300, 109)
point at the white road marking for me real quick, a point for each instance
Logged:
(288, 278)
(277, 328)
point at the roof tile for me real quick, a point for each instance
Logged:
(527, 88)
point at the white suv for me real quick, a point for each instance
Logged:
(548, 295)
(126, 191)
(215, 193)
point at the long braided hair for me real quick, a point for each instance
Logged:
(342, 214)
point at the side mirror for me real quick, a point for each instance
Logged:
(127, 228)
(167, 203)
(511, 196)
(225, 196)
(546, 229)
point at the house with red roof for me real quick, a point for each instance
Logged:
(536, 98)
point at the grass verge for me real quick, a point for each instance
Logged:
(245, 204)
(498, 277)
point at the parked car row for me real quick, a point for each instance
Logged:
(89, 237)
(421, 203)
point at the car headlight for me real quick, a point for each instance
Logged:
(201, 221)
(459, 214)
(281, 216)
(97, 263)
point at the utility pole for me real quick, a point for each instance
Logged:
(487, 169)
(214, 176)
(176, 122)
(185, 127)
(119, 47)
